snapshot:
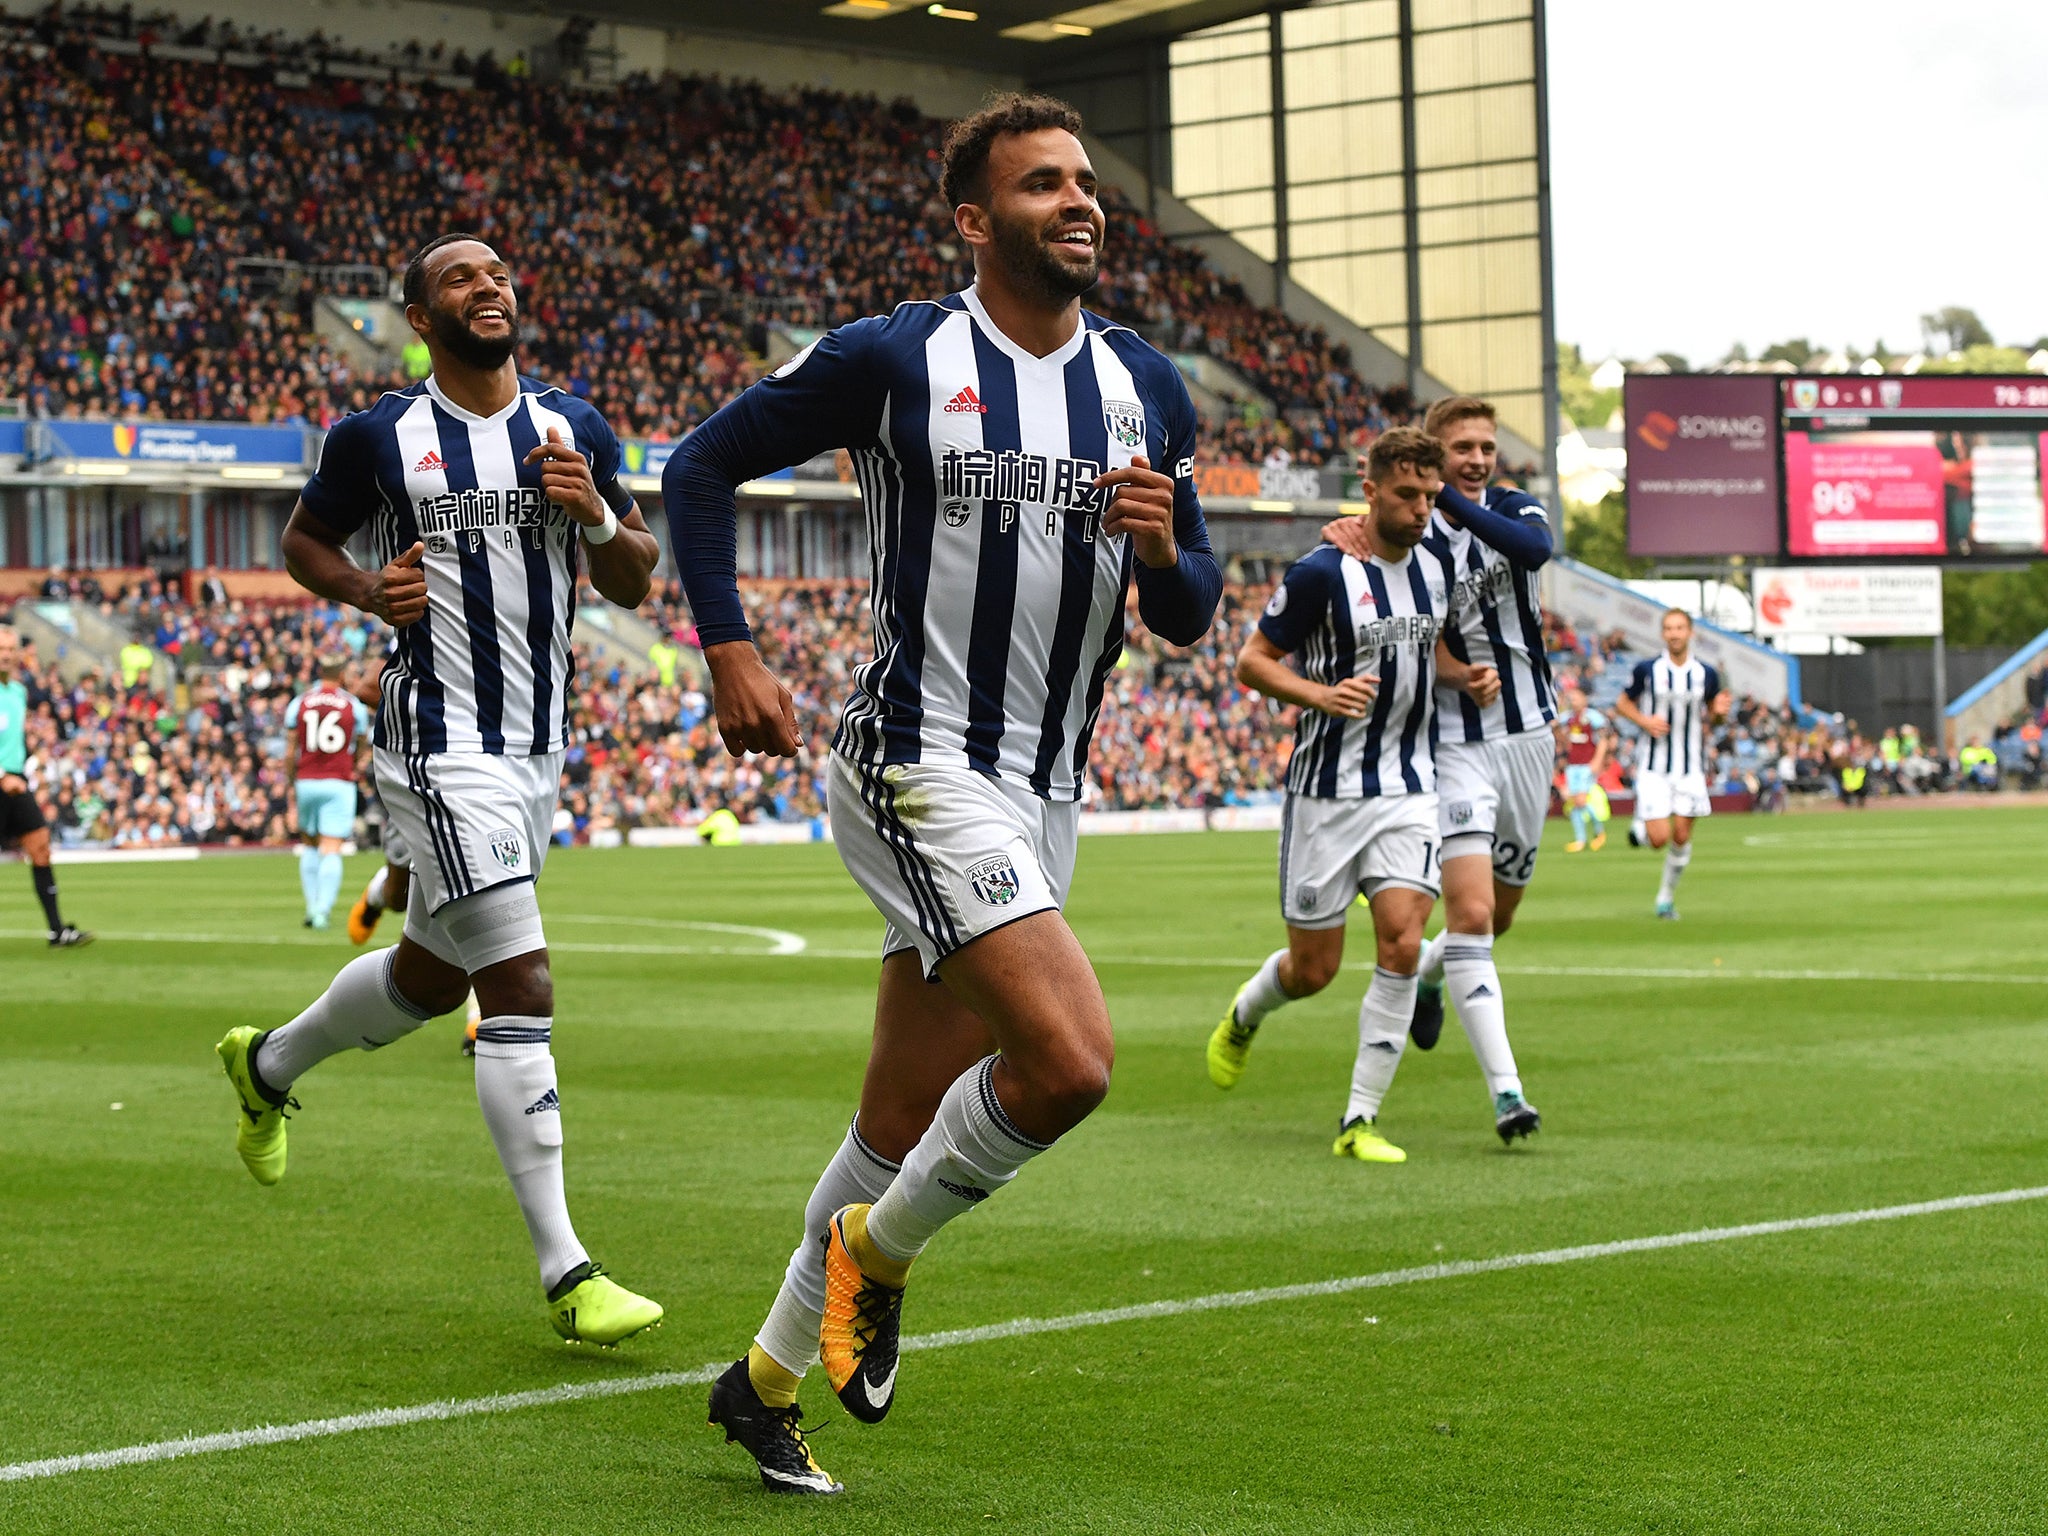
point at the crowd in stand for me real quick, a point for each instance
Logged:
(653, 226)
(117, 762)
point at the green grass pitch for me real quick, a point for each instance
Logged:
(1883, 1377)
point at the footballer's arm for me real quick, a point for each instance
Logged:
(317, 558)
(1262, 666)
(622, 565)
(1518, 528)
(1480, 684)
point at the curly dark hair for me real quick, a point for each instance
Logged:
(415, 285)
(964, 177)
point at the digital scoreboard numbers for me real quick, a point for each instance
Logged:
(1934, 466)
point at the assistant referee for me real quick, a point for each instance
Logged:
(21, 819)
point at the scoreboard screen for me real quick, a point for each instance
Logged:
(1939, 466)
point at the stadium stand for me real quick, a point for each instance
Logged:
(686, 211)
(122, 764)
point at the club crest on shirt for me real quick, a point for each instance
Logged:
(994, 881)
(508, 848)
(1459, 812)
(955, 513)
(1125, 420)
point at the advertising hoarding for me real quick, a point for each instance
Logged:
(174, 442)
(1862, 601)
(1937, 466)
(1702, 464)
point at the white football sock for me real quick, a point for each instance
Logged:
(1676, 857)
(857, 1175)
(1431, 967)
(1262, 994)
(515, 1087)
(1474, 986)
(362, 1009)
(1382, 1037)
(373, 893)
(971, 1151)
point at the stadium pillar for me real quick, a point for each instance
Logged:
(1941, 694)
(1411, 212)
(1545, 273)
(1276, 55)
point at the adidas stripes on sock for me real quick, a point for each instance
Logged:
(1474, 986)
(857, 1175)
(1676, 857)
(1382, 1037)
(362, 1009)
(972, 1150)
(1262, 994)
(516, 1089)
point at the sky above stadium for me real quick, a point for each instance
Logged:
(1753, 170)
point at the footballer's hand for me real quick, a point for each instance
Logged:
(1141, 504)
(565, 479)
(1657, 726)
(1348, 534)
(755, 712)
(398, 593)
(1723, 702)
(1482, 685)
(1350, 698)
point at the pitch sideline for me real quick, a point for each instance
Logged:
(571, 1392)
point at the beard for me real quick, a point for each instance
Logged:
(470, 349)
(1036, 270)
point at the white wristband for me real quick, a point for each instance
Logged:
(605, 531)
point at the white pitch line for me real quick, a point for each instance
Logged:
(1016, 1328)
(1198, 962)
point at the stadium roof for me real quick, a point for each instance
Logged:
(1013, 37)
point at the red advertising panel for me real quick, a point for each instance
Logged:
(1864, 493)
(1702, 464)
(1933, 465)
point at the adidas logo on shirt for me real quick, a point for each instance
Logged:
(430, 463)
(968, 401)
(547, 1103)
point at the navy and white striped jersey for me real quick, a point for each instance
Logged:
(488, 669)
(1679, 696)
(1341, 617)
(1500, 624)
(997, 600)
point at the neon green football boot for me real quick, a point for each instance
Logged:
(587, 1306)
(1361, 1139)
(259, 1134)
(1230, 1046)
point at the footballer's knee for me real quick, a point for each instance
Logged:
(1469, 912)
(521, 986)
(1313, 959)
(1066, 1085)
(1400, 953)
(427, 981)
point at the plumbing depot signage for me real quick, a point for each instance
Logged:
(203, 443)
(1852, 600)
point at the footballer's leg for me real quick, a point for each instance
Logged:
(924, 1039)
(1398, 913)
(375, 999)
(1319, 848)
(386, 892)
(1031, 983)
(1676, 857)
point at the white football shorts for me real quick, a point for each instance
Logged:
(468, 820)
(1498, 791)
(947, 854)
(1661, 795)
(1331, 850)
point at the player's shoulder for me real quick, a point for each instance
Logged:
(573, 408)
(1320, 567)
(1152, 368)
(1514, 501)
(363, 427)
